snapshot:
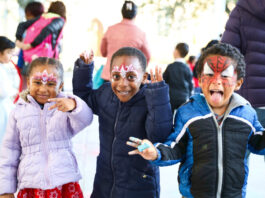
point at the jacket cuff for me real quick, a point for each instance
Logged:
(157, 93)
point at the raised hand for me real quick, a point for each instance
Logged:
(23, 46)
(145, 148)
(87, 57)
(157, 77)
(63, 104)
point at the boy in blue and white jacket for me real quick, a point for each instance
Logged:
(213, 131)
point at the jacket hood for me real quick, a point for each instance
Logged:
(255, 7)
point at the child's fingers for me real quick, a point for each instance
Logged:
(134, 152)
(132, 144)
(135, 140)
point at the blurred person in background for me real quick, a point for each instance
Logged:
(8, 88)
(178, 76)
(32, 10)
(43, 34)
(123, 34)
(245, 30)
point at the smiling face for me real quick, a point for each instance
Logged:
(126, 77)
(44, 83)
(218, 82)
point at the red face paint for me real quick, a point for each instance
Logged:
(217, 69)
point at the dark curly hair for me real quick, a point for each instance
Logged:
(227, 50)
(130, 51)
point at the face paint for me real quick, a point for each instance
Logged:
(219, 68)
(44, 77)
(123, 70)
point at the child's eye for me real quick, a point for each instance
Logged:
(131, 77)
(115, 76)
(51, 84)
(37, 82)
(211, 75)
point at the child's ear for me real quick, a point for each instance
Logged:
(144, 77)
(239, 82)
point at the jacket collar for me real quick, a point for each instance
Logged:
(236, 101)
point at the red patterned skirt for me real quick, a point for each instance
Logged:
(71, 190)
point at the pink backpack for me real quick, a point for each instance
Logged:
(44, 49)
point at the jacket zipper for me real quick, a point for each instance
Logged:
(112, 167)
(45, 149)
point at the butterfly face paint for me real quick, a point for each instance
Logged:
(44, 77)
(219, 69)
(129, 72)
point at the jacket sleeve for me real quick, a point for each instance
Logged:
(9, 157)
(165, 75)
(82, 84)
(145, 49)
(55, 26)
(104, 45)
(81, 116)
(159, 118)
(23, 26)
(231, 34)
(257, 138)
(174, 149)
(189, 79)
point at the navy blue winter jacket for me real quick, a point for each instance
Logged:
(146, 115)
(245, 30)
(213, 157)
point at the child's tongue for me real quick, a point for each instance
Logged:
(216, 97)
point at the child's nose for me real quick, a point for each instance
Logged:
(123, 82)
(217, 79)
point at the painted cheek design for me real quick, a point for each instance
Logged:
(44, 77)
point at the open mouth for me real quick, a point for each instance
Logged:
(216, 92)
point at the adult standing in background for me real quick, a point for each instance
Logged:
(123, 34)
(245, 30)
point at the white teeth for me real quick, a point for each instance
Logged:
(123, 92)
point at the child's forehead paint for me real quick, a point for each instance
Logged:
(218, 63)
(44, 77)
(124, 69)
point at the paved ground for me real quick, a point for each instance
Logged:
(86, 147)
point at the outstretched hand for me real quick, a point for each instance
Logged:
(157, 76)
(63, 104)
(87, 57)
(145, 148)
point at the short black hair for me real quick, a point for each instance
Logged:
(47, 61)
(5, 43)
(227, 50)
(130, 51)
(35, 8)
(183, 49)
(129, 10)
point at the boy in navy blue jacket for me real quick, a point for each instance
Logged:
(213, 131)
(125, 107)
